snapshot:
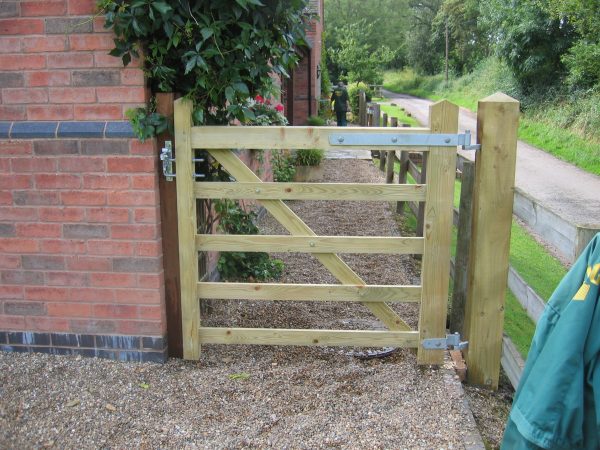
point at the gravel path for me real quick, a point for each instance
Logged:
(256, 396)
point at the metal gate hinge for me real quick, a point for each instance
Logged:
(398, 140)
(450, 341)
(166, 156)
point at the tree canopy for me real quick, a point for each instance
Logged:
(544, 42)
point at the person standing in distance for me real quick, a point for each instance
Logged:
(341, 103)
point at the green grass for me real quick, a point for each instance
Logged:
(517, 324)
(396, 111)
(541, 270)
(568, 129)
(564, 144)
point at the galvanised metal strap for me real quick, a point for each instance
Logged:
(396, 140)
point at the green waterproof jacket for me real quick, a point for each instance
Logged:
(557, 404)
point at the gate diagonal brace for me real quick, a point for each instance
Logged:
(412, 140)
(451, 341)
(294, 224)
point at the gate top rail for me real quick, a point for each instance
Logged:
(282, 137)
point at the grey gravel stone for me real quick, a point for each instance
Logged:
(256, 396)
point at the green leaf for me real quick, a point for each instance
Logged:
(207, 32)
(199, 116)
(248, 114)
(190, 64)
(241, 88)
(161, 7)
(144, 385)
(239, 376)
(229, 94)
(243, 4)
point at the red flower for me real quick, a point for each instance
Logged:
(279, 108)
(259, 99)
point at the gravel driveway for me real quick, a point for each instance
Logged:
(256, 396)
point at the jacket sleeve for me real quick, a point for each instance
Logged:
(551, 406)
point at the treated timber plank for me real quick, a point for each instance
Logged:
(493, 193)
(284, 215)
(435, 272)
(169, 235)
(186, 223)
(311, 191)
(339, 338)
(414, 171)
(463, 241)
(312, 244)
(309, 292)
(275, 137)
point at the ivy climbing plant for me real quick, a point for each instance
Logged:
(218, 53)
(224, 55)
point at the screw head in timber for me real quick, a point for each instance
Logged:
(341, 139)
(394, 139)
(257, 190)
(447, 140)
(312, 244)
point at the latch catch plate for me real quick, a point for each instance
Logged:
(166, 156)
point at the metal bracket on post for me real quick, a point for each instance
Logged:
(404, 139)
(166, 156)
(450, 341)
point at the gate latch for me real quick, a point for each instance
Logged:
(450, 341)
(166, 156)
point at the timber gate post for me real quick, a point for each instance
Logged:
(435, 269)
(186, 218)
(362, 109)
(497, 124)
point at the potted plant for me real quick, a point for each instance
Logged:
(308, 164)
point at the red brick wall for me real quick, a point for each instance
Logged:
(80, 237)
(54, 64)
(306, 84)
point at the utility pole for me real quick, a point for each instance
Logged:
(446, 51)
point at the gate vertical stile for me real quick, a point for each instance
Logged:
(186, 219)
(435, 268)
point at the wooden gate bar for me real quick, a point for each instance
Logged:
(435, 269)
(311, 191)
(339, 338)
(284, 215)
(223, 137)
(309, 244)
(186, 220)
(309, 292)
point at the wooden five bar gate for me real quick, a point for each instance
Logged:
(434, 246)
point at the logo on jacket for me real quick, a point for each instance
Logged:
(592, 275)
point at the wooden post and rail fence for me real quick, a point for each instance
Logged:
(489, 241)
